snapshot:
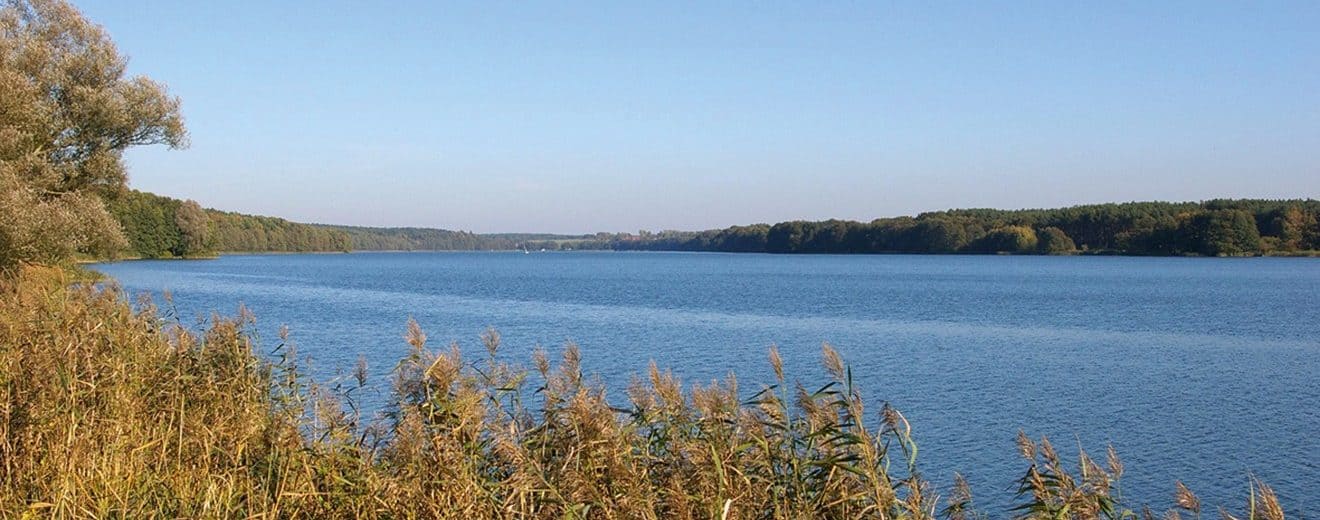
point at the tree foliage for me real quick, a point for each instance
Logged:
(193, 226)
(163, 227)
(1219, 232)
(938, 235)
(67, 114)
(1053, 241)
(51, 230)
(1217, 227)
(1008, 239)
(148, 222)
(423, 239)
(1155, 228)
(236, 232)
(1295, 228)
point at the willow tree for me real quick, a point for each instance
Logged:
(67, 113)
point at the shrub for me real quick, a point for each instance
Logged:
(1008, 239)
(1052, 240)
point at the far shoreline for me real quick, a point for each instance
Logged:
(216, 256)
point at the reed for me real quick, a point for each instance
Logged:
(108, 410)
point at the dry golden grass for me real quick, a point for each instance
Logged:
(107, 412)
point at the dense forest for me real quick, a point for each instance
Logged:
(1211, 228)
(422, 239)
(163, 227)
(157, 227)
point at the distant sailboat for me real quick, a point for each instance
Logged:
(525, 251)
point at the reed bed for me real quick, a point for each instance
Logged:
(108, 411)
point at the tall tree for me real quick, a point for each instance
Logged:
(194, 228)
(1220, 232)
(67, 114)
(1296, 228)
(939, 236)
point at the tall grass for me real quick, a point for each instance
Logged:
(109, 412)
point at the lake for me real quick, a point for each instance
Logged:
(1199, 369)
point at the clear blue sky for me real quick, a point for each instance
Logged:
(619, 116)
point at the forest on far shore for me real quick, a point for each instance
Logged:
(1210, 228)
(162, 227)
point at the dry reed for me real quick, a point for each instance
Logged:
(110, 412)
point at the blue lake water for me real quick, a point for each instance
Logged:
(1203, 370)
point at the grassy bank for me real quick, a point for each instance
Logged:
(110, 412)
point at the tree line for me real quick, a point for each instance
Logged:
(156, 226)
(164, 227)
(1210, 228)
(421, 239)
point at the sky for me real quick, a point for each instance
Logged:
(576, 117)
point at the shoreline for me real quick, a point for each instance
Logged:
(1279, 254)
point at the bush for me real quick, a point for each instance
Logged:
(1052, 240)
(52, 230)
(1009, 239)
